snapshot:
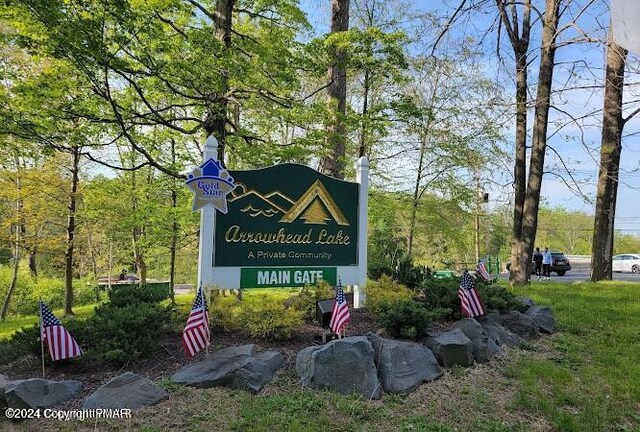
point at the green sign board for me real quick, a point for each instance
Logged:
(288, 215)
(286, 276)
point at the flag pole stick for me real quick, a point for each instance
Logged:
(207, 296)
(41, 338)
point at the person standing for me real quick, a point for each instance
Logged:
(546, 263)
(537, 260)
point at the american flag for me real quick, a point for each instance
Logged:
(481, 269)
(196, 333)
(61, 344)
(340, 315)
(469, 299)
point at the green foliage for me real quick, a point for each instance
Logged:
(441, 294)
(23, 342)
(125, 295)
(305, 301)
(29, 291)
(383, 291)
(270, 320)
(224, 313)
(122, 334)
(408, 318)
(497, 297)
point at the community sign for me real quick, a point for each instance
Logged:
(287, 225)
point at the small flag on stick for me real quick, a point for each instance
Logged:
(61, 344)
(481, 269)
(196, 335)
(340, 315)
(469, 298)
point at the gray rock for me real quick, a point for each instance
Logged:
(39, 392)
(501, 335)
(484, 346)
(543, 317)
(403, 366)
(236, 367)
(452, 348)
(344, 365)
(128, 390)
(520, 324)
(527, 301)
(4, 380)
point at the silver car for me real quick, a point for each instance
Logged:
(626, 263)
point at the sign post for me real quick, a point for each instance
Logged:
(362, 178)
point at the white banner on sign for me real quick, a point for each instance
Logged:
(625, 20)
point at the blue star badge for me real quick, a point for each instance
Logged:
(210, 184)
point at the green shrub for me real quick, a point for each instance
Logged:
(23, 342)
(385, 290)
(124, 295)
(306, 299)
(498, 298)
(122, 334)
(408, 318)
(441, 294)
(224, 313)
(270, 320)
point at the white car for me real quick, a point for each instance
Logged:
(626, 263)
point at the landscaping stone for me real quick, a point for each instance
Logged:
(344, 365)
(4, 380)
(543, 317)
(484, 346)
(237, 367)
(452, 348)
(527, 301)
(128, 390)
(39, 392)
(403, 366)
(520, 324)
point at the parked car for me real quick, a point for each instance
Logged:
(559, 264)
(626, 263)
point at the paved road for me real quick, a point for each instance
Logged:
(582, 275)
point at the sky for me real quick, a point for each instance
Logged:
(575, 144)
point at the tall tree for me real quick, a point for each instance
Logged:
(524, 243)
(610, 150)
(334, 163)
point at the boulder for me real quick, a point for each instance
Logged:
(527, 301)
(344, 365)
(452, 348)
(543, 317)
(4, 380)
(39, 392)
(237, 367)
(484, 346)
(128, 390)
(520, 324)
(403, 366)
(501, 335)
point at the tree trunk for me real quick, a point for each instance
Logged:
(520, 45)
(334, 163)
(174, 229)
(71, 228)
(610, 150)
(524, 245)
(33, 262)
(216, 121)
(362, 151)
(18, 227)
(416, 194)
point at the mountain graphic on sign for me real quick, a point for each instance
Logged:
(310, 207)
(255, 204)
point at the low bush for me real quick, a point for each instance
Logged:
(224, 313)
(124, 295)
(385, 290)
(498, 298)
(441, 294)
(408, 318)
(270, 320)
(122, 334)
(23, 342)
(306, 299)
